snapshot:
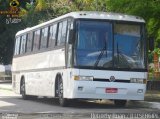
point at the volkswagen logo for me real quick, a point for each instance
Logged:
(112, 79)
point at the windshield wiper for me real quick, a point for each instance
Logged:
(118, 52)
(100, 55)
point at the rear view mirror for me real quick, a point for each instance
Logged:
(151, 44)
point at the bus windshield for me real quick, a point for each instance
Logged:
(106, 45)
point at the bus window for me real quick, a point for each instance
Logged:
(29, 42)
(62, 33)
(44, 36)
(52, 35)
(59, 33)
(17, 45)
(23, 44)
(36, 40)
(69, 27)
(69, 49)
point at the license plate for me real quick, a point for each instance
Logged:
(111, 90)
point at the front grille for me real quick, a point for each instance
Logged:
(107, 80)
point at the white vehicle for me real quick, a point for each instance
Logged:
(82, 55)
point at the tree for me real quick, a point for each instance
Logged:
(43, 10)
(31, 14)
(147, 9)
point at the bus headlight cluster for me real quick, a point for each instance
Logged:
(138, 80)
(83, 78)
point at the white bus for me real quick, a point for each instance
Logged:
(82, 55)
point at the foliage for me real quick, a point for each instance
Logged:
(43, 10)
(31, 14)
(147, 9)
(150, 57)
(157, 51)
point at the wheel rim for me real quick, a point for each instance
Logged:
(60, 91)
(23, 88)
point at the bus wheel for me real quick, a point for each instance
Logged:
(62, 101)
(120, 103)
(23, 90)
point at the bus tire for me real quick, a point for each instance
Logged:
(120, 103)
(62, 101)
(23, 90)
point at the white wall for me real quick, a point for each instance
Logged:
(2, 68)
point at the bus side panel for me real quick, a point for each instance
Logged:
(39, 71)
(69, 83)
(16, 82)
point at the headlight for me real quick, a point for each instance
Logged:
(83, 78)
(138, 80)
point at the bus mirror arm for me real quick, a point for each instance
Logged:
(71, 33)
(151, 43)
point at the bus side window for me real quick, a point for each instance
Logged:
(44, 36)
(29, 42)
(69, 46)
(17, 45)
(23, 44)
(62, 33)
(36, 40)
(69, 27)
(52, 35)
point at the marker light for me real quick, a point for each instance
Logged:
(83, 78)
(138, 80)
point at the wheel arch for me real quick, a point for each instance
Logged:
(22, 78)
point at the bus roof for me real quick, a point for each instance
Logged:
(89, 15)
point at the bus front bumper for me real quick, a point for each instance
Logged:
(107, 90)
